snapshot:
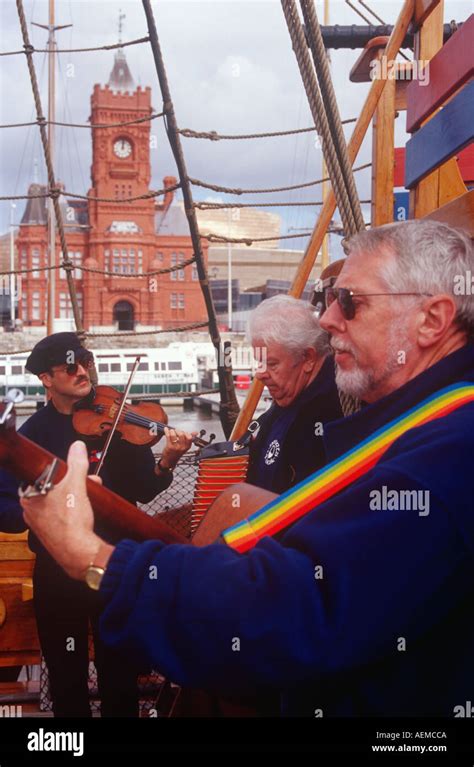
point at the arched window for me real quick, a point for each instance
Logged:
(124, 315)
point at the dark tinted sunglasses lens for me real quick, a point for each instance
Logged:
(71, 369)
(86, 360)
(330, 295)
(346, 303)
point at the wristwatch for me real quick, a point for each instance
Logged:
(96, 569)
(164, 469)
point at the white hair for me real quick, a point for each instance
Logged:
(429, 257)
(290, 322)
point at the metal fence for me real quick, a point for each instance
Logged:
(174, 504)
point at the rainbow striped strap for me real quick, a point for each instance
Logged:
(326, 482)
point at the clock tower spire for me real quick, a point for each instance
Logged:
(120, 77)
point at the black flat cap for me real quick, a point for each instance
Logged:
(57, 349)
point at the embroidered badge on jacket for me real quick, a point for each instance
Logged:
(272, 453)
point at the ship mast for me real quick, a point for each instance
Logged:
(52, 47)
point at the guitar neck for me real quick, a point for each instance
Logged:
(26, 461)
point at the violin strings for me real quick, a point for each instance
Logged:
(139, 420)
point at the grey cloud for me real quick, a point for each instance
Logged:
(230, 68)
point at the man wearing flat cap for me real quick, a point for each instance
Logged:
(64, 607)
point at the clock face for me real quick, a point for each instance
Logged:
(122, 148)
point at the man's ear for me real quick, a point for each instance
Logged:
(438, 317)
(46, 379)
(310, 359)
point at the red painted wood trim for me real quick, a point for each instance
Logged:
(399, 169)
(449, 70)
(466, 164)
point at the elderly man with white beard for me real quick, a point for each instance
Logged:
(354, 610)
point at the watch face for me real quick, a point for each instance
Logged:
(94, 577)
(122, 148)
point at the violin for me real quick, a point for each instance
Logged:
(140, 424)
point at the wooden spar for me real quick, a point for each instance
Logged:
(383, 156)
(423, 8)
(459, 213)
(383, 127)
(428, 41)
(329, 206)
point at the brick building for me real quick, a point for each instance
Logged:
(125, 238)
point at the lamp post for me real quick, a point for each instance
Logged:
(51, 28)
(12, 265)
(229, 275)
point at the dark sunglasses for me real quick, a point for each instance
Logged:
(86, 361)
(344, 298)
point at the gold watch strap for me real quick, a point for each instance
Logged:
(102, 556)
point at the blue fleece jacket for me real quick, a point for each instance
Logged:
(389, 627)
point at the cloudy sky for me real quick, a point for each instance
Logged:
(230, 68)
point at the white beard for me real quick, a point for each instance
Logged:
(359, 383)
(353, 382)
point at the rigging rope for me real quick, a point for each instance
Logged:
(316, 44)
(94, 270)
(212, 237)
(317, 110)
(236, 190)
(359, 13)
(214, 136)
(218, 205)
(87, 125)
(28, 48)
(57, 192)
(128, 334)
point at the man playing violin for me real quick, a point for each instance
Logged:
(64, 607)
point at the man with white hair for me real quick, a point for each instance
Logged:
(363, 607)
(297, 367)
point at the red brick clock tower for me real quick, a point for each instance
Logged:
(122, 235)
(124, 238)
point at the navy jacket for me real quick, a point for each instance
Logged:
(289, 444)
(389, 628)
(128, 469)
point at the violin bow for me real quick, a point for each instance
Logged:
(117, 417)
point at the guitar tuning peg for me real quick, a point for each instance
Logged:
(202, 432)
(211, 438)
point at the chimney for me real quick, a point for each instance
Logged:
(168, 182)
